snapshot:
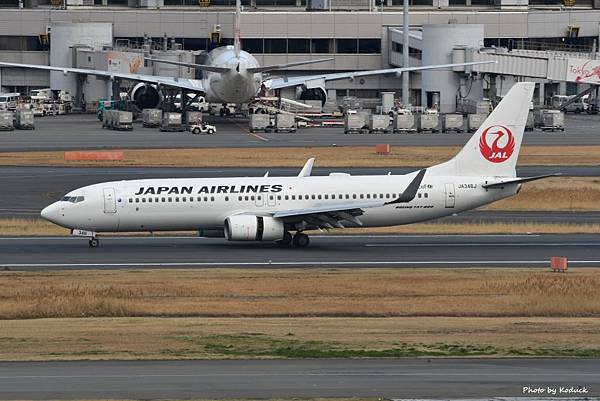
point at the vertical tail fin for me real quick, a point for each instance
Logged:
(236, 28)
(494, 148)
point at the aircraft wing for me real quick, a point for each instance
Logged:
(278, 83)
(184, 83)
(333, 215)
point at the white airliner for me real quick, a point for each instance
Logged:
(271, 208)
(232, 76)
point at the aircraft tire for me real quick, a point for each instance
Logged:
(300, 240)
(286, 240)
(94, 243)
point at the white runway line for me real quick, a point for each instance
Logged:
(289, 263)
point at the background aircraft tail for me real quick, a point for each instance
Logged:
(237, 46)
(494, 148)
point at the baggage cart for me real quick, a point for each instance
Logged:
(6, 121)
(24, 119)
(172, 122)
(474, 121)
(379, 123)
(427, 122)
(151, 118)
(354, 123)
(452, 122)
(260, 122)
(285, 123)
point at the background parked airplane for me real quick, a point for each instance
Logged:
(232, 76)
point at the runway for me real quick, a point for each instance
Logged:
(33, 188)
(389, 251)
(405, 378)
(84, 131)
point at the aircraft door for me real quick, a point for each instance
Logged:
(450, 198)
(110, 203)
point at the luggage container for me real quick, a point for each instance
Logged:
(118, 120)
(379, 123)
(552, 120)
(260, 122)
(24, 119)
(530, 123)
(427, 122)
(403, 123)
(6, 121)
(172, 122)
(151, 118)
(354, 123)
(474, 121)
(285, 123)
(194, 118)
(452, 122)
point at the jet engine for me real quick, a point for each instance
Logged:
(246, 227)
(312, 90)
(311, 94)
(146, 96)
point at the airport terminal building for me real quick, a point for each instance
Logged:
(544, 41)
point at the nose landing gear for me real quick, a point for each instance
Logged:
(94, 242)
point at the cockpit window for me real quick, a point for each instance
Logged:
(72, 199)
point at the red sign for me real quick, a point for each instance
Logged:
(502, 143)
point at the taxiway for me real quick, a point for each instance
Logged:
(393, 251)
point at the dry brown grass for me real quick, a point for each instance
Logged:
(299, 293)
(188, 338)
(572, 194)
(363, 156)
(38, 227)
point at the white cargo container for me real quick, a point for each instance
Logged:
(285, 123)
(427, 122)
(172, 122)
(552, 120)
(354, 123)
(379, 123)
(194, 118)
(404, 123)
(474, 121)
(530, 123)
(452, 122)
(260, 122)
(118, 120)
(6, 121)
(24, 119)
(151, 117)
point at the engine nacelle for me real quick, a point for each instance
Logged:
(246, 227)
(146, 96)
(303, 93)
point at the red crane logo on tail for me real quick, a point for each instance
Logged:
(497, 153)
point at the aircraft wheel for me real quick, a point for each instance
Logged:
(286, 240)
(300, 240)
(94, 243)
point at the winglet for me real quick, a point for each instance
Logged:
(411, 190)
(307, 169)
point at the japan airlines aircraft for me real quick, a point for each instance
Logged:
(231, 76)
(272, 208)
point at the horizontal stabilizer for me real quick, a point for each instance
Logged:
(276, 67)
(203, 67)
(519, 180)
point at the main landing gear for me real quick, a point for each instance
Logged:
(299, 240)
(94, 242)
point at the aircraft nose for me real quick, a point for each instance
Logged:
(51, 213)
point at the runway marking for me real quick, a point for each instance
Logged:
(512, 244)
(374, 374)
(349, 236)
(299, 263)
